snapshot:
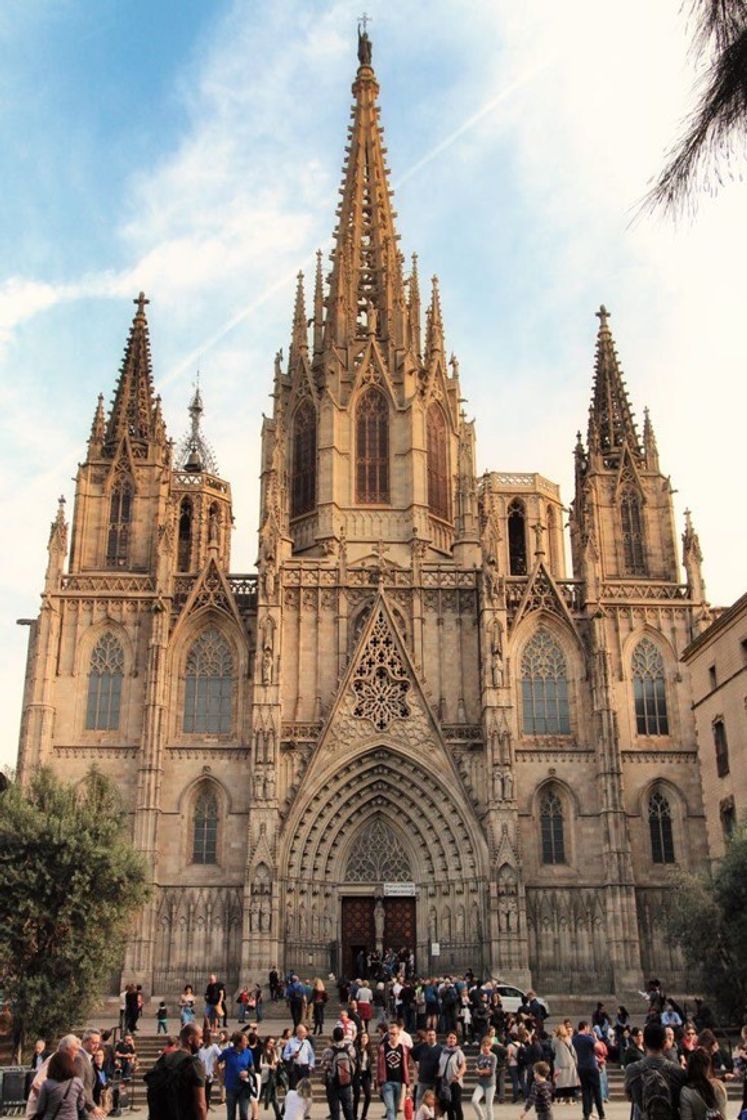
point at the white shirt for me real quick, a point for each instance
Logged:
(296, 1108)
(365, 995)
(209, 1055)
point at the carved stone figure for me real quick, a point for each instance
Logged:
(379, 924)
(267, 661)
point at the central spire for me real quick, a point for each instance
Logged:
(611, 424)
(366, 287)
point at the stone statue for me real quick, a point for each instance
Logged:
(496, 667)
(364, 48)
(508, 785)
(270, 787)
(213, 526)
(379, 924)
(267, 665)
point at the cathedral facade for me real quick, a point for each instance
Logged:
(411, 725)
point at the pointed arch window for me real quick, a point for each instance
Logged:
(208, 693)
(205, 827)
(632, 532)
(372, 448)
(552, 828)
(438, 462)
(303, 466)
(517, 538)
(184, 554)
(649, 690)
(120, 523)
(544, 687)
(105, 677)
(660, 827)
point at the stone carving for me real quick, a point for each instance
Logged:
(381, 681)
(377, 856)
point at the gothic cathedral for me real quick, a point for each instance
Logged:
(410, 707)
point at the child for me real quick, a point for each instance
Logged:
(427, 1106)
(162, 1015)
(540, 1095)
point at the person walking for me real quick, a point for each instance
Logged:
(392, 1071)
(298, 1054)
(176, 1083)
(237, 1064)
(61, 1094)
(584, 1043)
(318, 1000)
(452, 1067)
(565, 1065)
(702, 1092)
(338, 1064)
(638, 1074)
(485, 1066)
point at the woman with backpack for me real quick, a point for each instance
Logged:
(702, 1097)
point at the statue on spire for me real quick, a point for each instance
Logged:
(364, 43)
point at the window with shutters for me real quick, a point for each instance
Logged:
(372, 448)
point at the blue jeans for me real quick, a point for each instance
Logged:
(236, 1097)
(391, 1091)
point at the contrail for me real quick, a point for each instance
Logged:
(189, 361)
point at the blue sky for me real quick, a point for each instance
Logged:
(194, 150)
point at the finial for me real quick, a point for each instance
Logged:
(141, 303)
(364, 43)
(603, 316)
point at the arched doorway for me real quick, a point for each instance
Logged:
(383, 919)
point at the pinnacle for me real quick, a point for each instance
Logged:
(133, 408)
(611, 422)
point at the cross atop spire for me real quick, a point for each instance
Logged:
(611, 424)
(141, 302)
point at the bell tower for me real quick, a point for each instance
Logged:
(375, 447)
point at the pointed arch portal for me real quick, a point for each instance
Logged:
(381, 819)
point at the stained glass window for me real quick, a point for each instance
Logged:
(377, 856)
(303, 471)
(632, 533)
(544, 687)
(120, 519)
(551, 821)
(208, 696)
(438, 463)
(660, 826)
(649, 690)
(372, 448)
(205, 832)
(105, 684)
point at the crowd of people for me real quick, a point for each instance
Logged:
(413, 1053)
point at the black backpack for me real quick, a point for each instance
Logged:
(656, 1095)
(164, 1083)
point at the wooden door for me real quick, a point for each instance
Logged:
(399, 924)
(358, 931)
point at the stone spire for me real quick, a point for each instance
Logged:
(194, 452)
(366, 286)
(611, 424)
(413, 307)
(650, 450)
(299, 336)
(133, 411)
(692, 558)
(434, 342)
(98, 429)
(318, 304)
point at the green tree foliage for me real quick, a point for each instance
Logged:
(708, 920)
(716, 130)
(70, 881)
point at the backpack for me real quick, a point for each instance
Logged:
(341, 1070)
(450, 998)
(656, 1095)
(163, 1083)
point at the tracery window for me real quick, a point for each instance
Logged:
(184, 555)
(438, 462)
(105, 684)
(517, 538)
(551, 825)
(544, 687)
(303, 468)
(381, 680)
(632, 533)
(120, 520)
(372, 448)
(205, 828)
(377, 856)
(649, 689)
(208, 693)
(660, 827)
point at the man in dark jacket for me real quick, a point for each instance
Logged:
(584, 1042)
(654, 1039)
